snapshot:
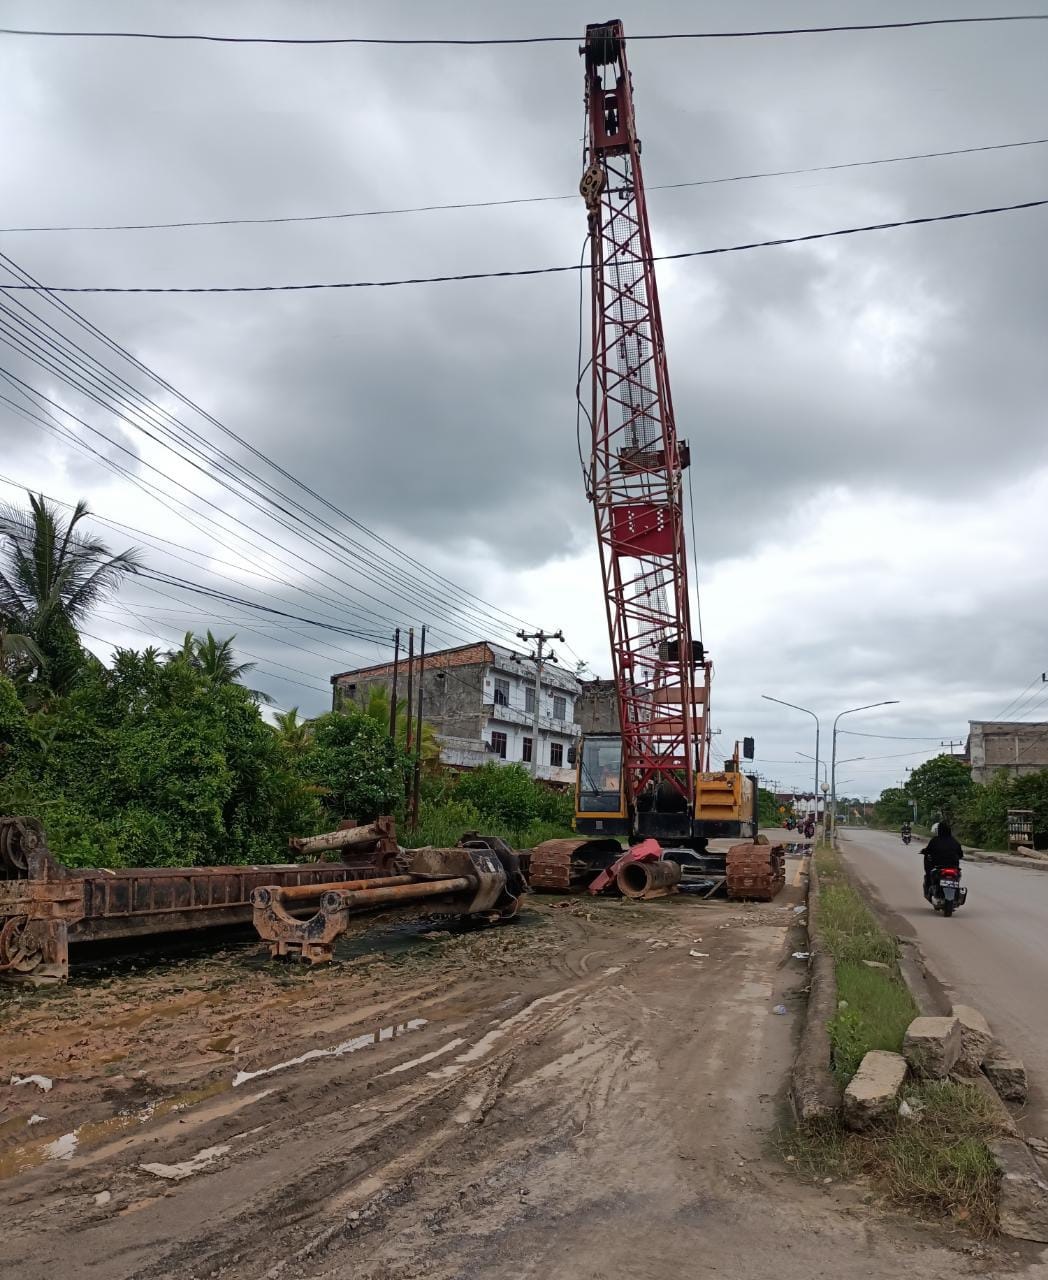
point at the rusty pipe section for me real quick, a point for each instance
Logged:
(380, 834)
(467, 881)
(305, 892)
(649, 879)
(346, 899)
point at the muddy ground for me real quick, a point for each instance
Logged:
(574, 1095)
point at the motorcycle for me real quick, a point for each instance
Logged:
(906, 837)
(945, 891)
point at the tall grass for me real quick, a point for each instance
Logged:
(443, 823)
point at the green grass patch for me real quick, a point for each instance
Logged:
(935, 1164)
(875, 1010)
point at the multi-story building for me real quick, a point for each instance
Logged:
(480, 700)
(1014, 747)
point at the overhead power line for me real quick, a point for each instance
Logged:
(426, 583)
(526, 271)
(186, 36)
(518, 200)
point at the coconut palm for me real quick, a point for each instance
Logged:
(215, 661)
(52, 574)
(294, 734)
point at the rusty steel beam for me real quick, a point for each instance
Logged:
(45, 906)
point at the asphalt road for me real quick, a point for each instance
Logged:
(992, 954)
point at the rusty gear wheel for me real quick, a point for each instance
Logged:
(21, 945)
(19, 837)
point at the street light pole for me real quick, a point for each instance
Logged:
(815, 791)
(890, 702)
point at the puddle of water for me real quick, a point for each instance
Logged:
(364, 1041)
(186, 1168)
(93, 1132)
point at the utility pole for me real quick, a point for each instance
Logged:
(416, 778)
(539, 657)
(393, 690)
(411, 676)
(951, 744)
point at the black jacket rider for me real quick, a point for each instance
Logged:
(942, 850)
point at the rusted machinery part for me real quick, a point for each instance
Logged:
(755, 872)
(19, 839)
(558, 866)
(22, 944)
(261, 896)
(380, 835)
(342, 899)
(513, 863)
(648, 879)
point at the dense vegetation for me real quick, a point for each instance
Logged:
(167, 758)
(943, 788)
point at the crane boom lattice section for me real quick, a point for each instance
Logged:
(637, 461)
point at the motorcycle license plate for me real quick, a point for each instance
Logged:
(949, 892)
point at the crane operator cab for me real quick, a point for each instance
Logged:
(725, 802)
(600, 805)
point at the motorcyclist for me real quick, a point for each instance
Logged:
(905, 830)
(941, 851)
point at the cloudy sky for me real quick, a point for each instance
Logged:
(866, 414)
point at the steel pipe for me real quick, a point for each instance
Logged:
(648, 879)
(341, 900)
(294, 893)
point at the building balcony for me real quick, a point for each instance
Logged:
(517, 715)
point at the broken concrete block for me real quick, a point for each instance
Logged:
(877, 964)
(871, 1095)
(1007, 1075)
(932, 1046)
(976, 1039)
(1023, 1196)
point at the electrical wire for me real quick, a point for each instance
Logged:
(458, 41)
(894, 737)
(491, 613)
(309, 286)
(294, 519)
(518, 200)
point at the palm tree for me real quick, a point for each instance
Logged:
(215, 661)
(294, 734)
(52, 575)
(377, 709)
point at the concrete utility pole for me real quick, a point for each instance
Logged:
(539, 657)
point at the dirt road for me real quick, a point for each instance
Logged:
(991, 954)
(573, 1096)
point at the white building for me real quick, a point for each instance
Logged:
(480, 700)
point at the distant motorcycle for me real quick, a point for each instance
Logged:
(945, 891)
(906, 837)
(809, 830)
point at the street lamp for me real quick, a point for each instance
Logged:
(768, 698)
(825, 783)
(890, 702)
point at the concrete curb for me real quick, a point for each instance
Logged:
(1006, 859)
(814, 1090)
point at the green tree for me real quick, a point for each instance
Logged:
(940, 788)
(293, 734)
(52, 574)
(377, 709)
(360, 772)
(893, 807)
(505, 793)
(216, 662)
(768, 809)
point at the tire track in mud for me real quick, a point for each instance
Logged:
(357, 1175)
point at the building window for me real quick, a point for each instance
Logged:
(560, 708)
(556, 754)
(529, 698)
(526, 751)
(501, 693)
(498, 745)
